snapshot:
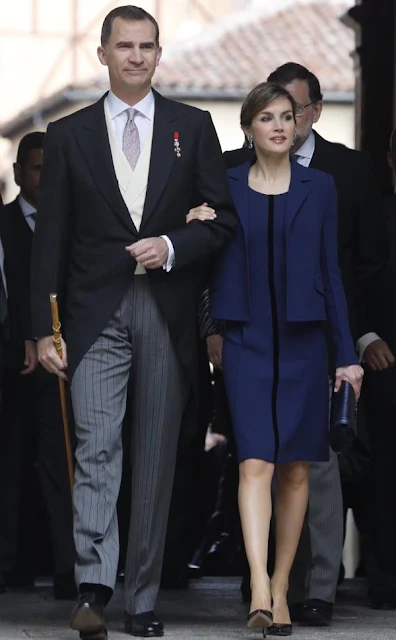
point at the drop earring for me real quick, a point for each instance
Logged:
(250, 142)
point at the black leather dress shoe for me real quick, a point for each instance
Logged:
(88, 614)
(317, 613)
(144, 625)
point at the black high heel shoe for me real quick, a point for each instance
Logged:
(260, 619)
(280, 629)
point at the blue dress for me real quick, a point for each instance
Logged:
(273, 368)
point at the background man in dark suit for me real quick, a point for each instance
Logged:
(31, 419)
(362, 252)
(12, 311)
(118, 180)
(380, 394)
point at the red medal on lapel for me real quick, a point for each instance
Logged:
(176, 144)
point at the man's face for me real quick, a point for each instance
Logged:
(310, 113)
(131, 56)
(27, 177)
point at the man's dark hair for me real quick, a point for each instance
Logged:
(127, 12)
(292, 71)
(31, 141)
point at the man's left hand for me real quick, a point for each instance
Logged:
(378, 356)
(151, 253)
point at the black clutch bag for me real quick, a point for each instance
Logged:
(343, 419)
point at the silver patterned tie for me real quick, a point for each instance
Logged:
(130, 139)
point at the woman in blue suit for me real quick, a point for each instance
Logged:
(276, 286)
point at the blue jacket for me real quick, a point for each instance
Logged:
(313, 281)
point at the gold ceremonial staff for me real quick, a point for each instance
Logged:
(56, 326)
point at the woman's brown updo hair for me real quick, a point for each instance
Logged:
(260, 98)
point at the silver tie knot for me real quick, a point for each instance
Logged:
(131, 113)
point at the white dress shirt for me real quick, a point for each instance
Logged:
(28, 211)
(119, 115)
(305, 155)
(145, 114)
(306, 151)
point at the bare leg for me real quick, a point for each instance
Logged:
(255, 508)
(290, 507)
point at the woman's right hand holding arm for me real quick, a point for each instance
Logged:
(203, 212)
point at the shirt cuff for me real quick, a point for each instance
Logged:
(364, 342)
(171, 255)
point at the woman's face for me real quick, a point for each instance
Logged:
(273, 128)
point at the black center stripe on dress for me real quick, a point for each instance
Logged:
(275, 334)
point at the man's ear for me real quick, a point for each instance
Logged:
(158, 56)
(317, 111)
(101, 51)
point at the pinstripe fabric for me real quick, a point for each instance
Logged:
(316, 568)
(207, 326)
(158, 403)
(325, 522)
(135, 343)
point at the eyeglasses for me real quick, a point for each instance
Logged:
(301, 107)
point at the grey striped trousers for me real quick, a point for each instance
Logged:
(317, 564)
(135, 343)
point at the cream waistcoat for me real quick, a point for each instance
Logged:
(132, 184)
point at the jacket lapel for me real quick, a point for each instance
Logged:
(93, 140)
(322, 157)
(162, 153)
(122, 168)
(298, 191)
